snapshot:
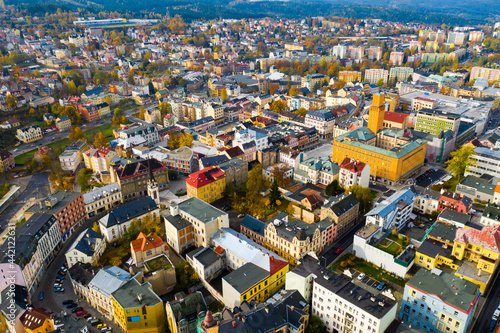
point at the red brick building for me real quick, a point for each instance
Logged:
(89, 112)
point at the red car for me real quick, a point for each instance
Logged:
(338, 250)
(81, 313)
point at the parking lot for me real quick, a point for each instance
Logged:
(370, 282)
(428, 179)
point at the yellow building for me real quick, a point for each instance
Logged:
(137, 308)
(290, 240)
(207, 184)
(391, 155)
(38, 320)
(349, 76)
(63, 123)
(29, 134)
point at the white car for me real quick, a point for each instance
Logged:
(361, 276)
(57, 285)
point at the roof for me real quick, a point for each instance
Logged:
(35, 318)
(100, 192)
(128, 212)
(63, 198)
(144, 243)
(443, 231)
(107, 280)
(479, 184)
(138, 168)
(451, 215)
(341, 204)
(4, 154)
(134, 295)
(459, 293)
(253, 224)
(433, 248)
(200, 210)
(491, 212)
(86, 242)
(206, 256)
(246, 277)
(352, 165)
(205, 176)
(234, 152)
(487, 238)
(395, 117)
(390, 204)
(188, 307)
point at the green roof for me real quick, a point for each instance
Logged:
(452, 290)
(479, 184)
(200, 210)
(491, 212)
(246, 277)
(443, 231)
(128, 295)
(397, 152)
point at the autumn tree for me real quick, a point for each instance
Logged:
(301, 112)
(99, 140)
(224, 94)
(72, 114)
(76, 134)
(363, 195)
(254, 182)
(278, 106)
(293, 91)
(11, 101)
(380, 82)
(151, 225)
(141, 113)
(275, 194)
(461, 160)
(83, 179)
(96, 228)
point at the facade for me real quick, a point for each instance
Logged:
(116, 223)
(253, 229)
(439, 301)
(6, 161)
(396, 58)
(67, 207)
(137, 308)
(70, 160)
(425, 201)
(316, 170)
(488, 74)
(491, 216)
(486, 161)
(98, 159)
(349, 76)
(454, 201)
(207, 184)
(206, 262)
(477, 189)
(375, 74)
(63, 123)
(147, 247)
(87, 248)
(353, 172)
(29, 134)
(342, 211)
(132, 177)
(36, 244)
(400, 73)
(185, 311)
(393, 212)
(322, 120)
(148, 132)
(102, 199)
(434, 121)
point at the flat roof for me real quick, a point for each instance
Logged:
(200, 210)
(246, 277)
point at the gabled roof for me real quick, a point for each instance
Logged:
(188, 307)
(144, 243)
(35, 318)
(128, 212)
(253, 224)
(138, 168)
(487, 238)
(352, 165)
(204, 177)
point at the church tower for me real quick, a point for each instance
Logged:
(153, 190)
(376, 114)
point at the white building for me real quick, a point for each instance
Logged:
(487, 162)
(425, 201)
(353, 172)
(102, 199)
(393, 212)
(339, 51)
(87, 248)
(149, 132)
(317, 170)
(70, 160)
(322, 120)
(207, 263)
(78, 40)
(375, 74)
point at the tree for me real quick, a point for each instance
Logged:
(83, 179)
(332, 188)
(151, 225)
(254, 182)
(11, 101)
(224, 94)
(72, 114)
(461, 160)
(293, 92)
(141, 113)
(315, 325)
(186, 276)
(185, 140)
(116, 261)
(96, 228)
(278, 174)
(183, 83)
(278, 106)
(380, 82)
(76, 134)
(230, 189)
(364, 197)
(99, 140)
(301, 112)
(275, 194)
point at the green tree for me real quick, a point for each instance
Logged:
(461, 160)
(230, 189)
(186, 276)
(275, 193)
(315, 325)
(364, 197)
(380, 82)
(83, 179)
(332, 188)
(11, 101)
(183, 83)
(301, 112)
(76, 134)
(99, 140)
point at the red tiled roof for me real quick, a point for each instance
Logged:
(352, 165)
(219, 249)
(488, 237)
(206, 176)
(275, 265)
(144, 243)
(395, 117)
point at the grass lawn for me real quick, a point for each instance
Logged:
(216, 306)
(157, 263)
(23, 221)
(450, 185)
(393, 248)
(131, 106)
(4, 189)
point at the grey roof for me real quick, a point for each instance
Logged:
(188, 307)
(128, 295)
(63, 198)
(206, 256)
(86, 242)
(253, 224)
(433, 248)
(492, 213)
(479, 184)
(177, 221)
(82, 273)
(128, 212)
(200, 210)
(426, 192)
(342, 204)
(443, 231)
(452, 215)
(107, 280)
(246, 277)
(99, 192)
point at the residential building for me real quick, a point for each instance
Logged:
(137, 309)
(204, 218)
(207, 184)
(491, 216)
(349, 76)
(147, 247)
(254, 229)
(87, 248)
(316, 170)
(185, 312)
(454, 201)
(216, 111)
(36, 243)
(132, 177)
(236, 171)
(114, 224)
(29, 134)
(397, 74)
(396, 58)
(89, 112)
(102, 199)
(457, 38)
(206, 262)
(342, 211)
(393, 212)
(152, 115)
(293, 238)
(63, 123)
(489, 74)
(148, 132)
(395, 119)
(6, 161)
(37, 320)
(434, 121)
(99, 160)
(375, 74)
(67, 207)
(339, 51)
(322, 120)
(486, 161)
(353, 172)
(426, 201)
(476, 188)
(438, 301)
(70, 160)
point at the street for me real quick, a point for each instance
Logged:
(483, 320)
(344, 243)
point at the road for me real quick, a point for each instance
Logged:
(329, 256)
(483, 320)
(37, 187)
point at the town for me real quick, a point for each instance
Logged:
(313, 175)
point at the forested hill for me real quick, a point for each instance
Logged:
(426, 11)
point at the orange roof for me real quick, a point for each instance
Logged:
(219, 249)
(497, 188)
(205, 176)
(395, 117)
(34, 318)
(144, 243)
(352, 165)
(488, 237)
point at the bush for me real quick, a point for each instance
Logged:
(343, 264)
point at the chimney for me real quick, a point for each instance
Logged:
(139, 298)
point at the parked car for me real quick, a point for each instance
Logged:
(105, 329)
(88, 317)
(241, 216)
(75, 310)
(81, 313)
(94, 322)
(493, 324)
(40, 296)
(226, 208)
(59, 289)
(64, 268)
(61, 273)
(57, 285)
(361, 276)
(68, 301)
(60, 277)
(339, 250)
(381, 286)
(102, 325)
(71, 305)
(495, 315)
